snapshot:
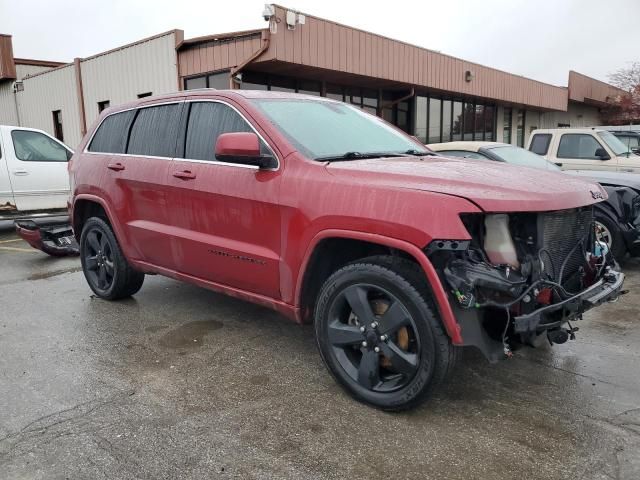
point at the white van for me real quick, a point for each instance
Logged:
(33, 171)
(584, 149)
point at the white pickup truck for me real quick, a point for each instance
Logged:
(584, 149)
(33, 172)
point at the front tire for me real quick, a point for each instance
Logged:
(106, 269)
(378, 334)
(609, 232)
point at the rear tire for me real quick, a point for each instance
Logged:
(417, 354)
(106, 269)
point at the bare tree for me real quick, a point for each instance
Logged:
(628, 78)
(625, 108)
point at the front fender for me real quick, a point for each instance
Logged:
(440, 296)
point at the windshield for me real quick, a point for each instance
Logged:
(324, 130)
(522, 157)
(613, 143)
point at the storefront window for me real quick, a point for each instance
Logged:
(282, 84)
(421, 119)
(469, 120)
(478, 131)
(218, 80)
(370, 101)
(489, 122)
(335, 92)
(456, 128)
(308, 87)
(520, 128)
(506, 125)
(435, 116)
(446, 120)
(197, 82)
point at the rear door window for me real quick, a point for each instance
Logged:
(111, 136)
(578, 145)
(155, 131)
(38, 147)
(540, 143)
(207, 121)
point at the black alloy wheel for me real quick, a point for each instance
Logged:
(378, 334)
(373, 337)
(106, 269)
(98, 259)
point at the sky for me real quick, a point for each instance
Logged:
(540, 39)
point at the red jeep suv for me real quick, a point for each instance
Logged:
(329, 215)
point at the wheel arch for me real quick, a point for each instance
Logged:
(86, 206)
(315, 269)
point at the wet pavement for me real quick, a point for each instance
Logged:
(179, 382)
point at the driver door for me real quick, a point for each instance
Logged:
(37, 166)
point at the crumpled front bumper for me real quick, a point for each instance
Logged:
(608, 288)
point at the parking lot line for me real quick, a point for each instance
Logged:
(17, 249)
(11, 241)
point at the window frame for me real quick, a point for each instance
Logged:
(182, 134)
(579, 158)
(53, 139)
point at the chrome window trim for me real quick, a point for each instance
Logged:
(192, 160)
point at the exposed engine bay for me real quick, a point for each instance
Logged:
(525, 276)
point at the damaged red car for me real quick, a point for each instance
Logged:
(329, 215)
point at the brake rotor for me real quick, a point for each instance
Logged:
(379, 307)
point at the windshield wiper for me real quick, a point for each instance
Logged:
(419, 153)
(357, 156)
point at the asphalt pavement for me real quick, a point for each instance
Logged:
(179, 382)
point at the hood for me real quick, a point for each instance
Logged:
(492, 186)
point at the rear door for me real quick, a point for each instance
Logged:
(37, 165)
(225, 216)
(577, 151)
(7, 203)
(134, 149)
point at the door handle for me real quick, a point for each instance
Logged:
(185, 175)
(627, 170)
(115, 166)
(20, 173)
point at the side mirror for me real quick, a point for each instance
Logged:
(602, 154)
(242, 148)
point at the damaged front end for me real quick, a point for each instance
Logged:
(53, 237)
(524, 276)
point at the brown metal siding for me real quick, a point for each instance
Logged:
(328, 45)
(217, 54)
(587, 89)
(7, 64)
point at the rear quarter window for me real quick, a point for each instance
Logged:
(155, 131)
(111, 136)
(540, 143)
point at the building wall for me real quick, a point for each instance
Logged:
(8, 114)
(328, 45)
(218, 54)
(577, 115)
(47, 92)
(121, 75)
(24, 70)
